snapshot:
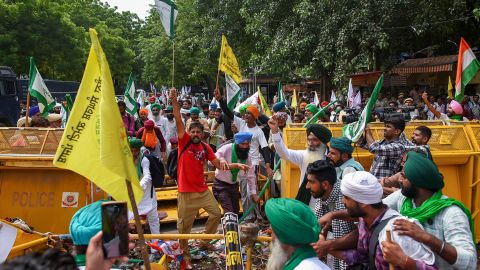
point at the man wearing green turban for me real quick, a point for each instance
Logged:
(310, 111)
(195, 117)
(317, 138)
(340, 156)
(294, 228)
(447, 222)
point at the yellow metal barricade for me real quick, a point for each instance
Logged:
(26, 242)
(450, 146)
(44, 196)
(474, 133)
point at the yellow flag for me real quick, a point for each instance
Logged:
(450, 88)
(94, 143)
(228, 62)
(264, 104)
(294, 99)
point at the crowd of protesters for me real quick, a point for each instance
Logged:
(342, 211)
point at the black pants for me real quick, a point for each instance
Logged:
(228, 195)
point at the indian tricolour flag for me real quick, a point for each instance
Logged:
(354, 130)
(467, 67)
(233, 92)
(129, 97)
(38, 89)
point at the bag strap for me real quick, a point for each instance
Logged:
(188, 145)
(373, 242)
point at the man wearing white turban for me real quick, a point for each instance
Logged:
(362, 195)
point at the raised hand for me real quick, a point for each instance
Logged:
(173, 94)
(217, 94)
(273, 124)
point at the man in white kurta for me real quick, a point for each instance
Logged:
(317, 138)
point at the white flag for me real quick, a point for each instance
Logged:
(38, 90)
(316, 101)
(168, 14)
(141, 98)
(350, 94)
(233, 92)
(333, 97)
(357, 100)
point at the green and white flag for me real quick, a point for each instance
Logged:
(168, 12)
(38, 90)
(233, 92)
(129, 97)
(354, 130)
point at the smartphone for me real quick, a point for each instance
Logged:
(115, 229)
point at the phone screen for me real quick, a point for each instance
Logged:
(115, 229)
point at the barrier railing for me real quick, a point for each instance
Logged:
(166, 236)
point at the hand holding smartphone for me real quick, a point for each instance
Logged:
(115, 229)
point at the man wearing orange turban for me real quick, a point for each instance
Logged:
(143, 113)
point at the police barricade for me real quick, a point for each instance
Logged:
(44, 196)
(451, 149)
(474, 134)
(24, 242)
(33, 189)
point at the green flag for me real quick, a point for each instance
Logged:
(233, 92)
(168, 13)
(38, 90)
(129, 97)
(354, 130)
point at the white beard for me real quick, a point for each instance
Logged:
(312, 156)
(278, 256)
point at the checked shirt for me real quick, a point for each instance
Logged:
(388, 155)
(339, 227)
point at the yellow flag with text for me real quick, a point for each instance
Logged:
(94, 143)
(228, 62)
(264, 104)
(294, 100)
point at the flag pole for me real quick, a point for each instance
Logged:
(173, 63)
(317, 114)
(28, 108)
(141, 238)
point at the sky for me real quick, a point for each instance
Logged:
(140, 7)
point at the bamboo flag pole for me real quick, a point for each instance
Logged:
(141, 238)
(173, 63)
(389, 239)
(28, 108)
(318, 113)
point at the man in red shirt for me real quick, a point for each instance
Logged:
(193, 192)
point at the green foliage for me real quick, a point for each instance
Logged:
(292, 39)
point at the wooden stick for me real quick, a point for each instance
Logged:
(28, 108)
(389, 239)
(44, 141)
(141, 238)
(218, 77)
(173, 64)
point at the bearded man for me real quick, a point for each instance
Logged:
(225, 187)
(324, 186)
(317, 138)
(447, 222)
(158, 119)
(340, 156)
(294, 227)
